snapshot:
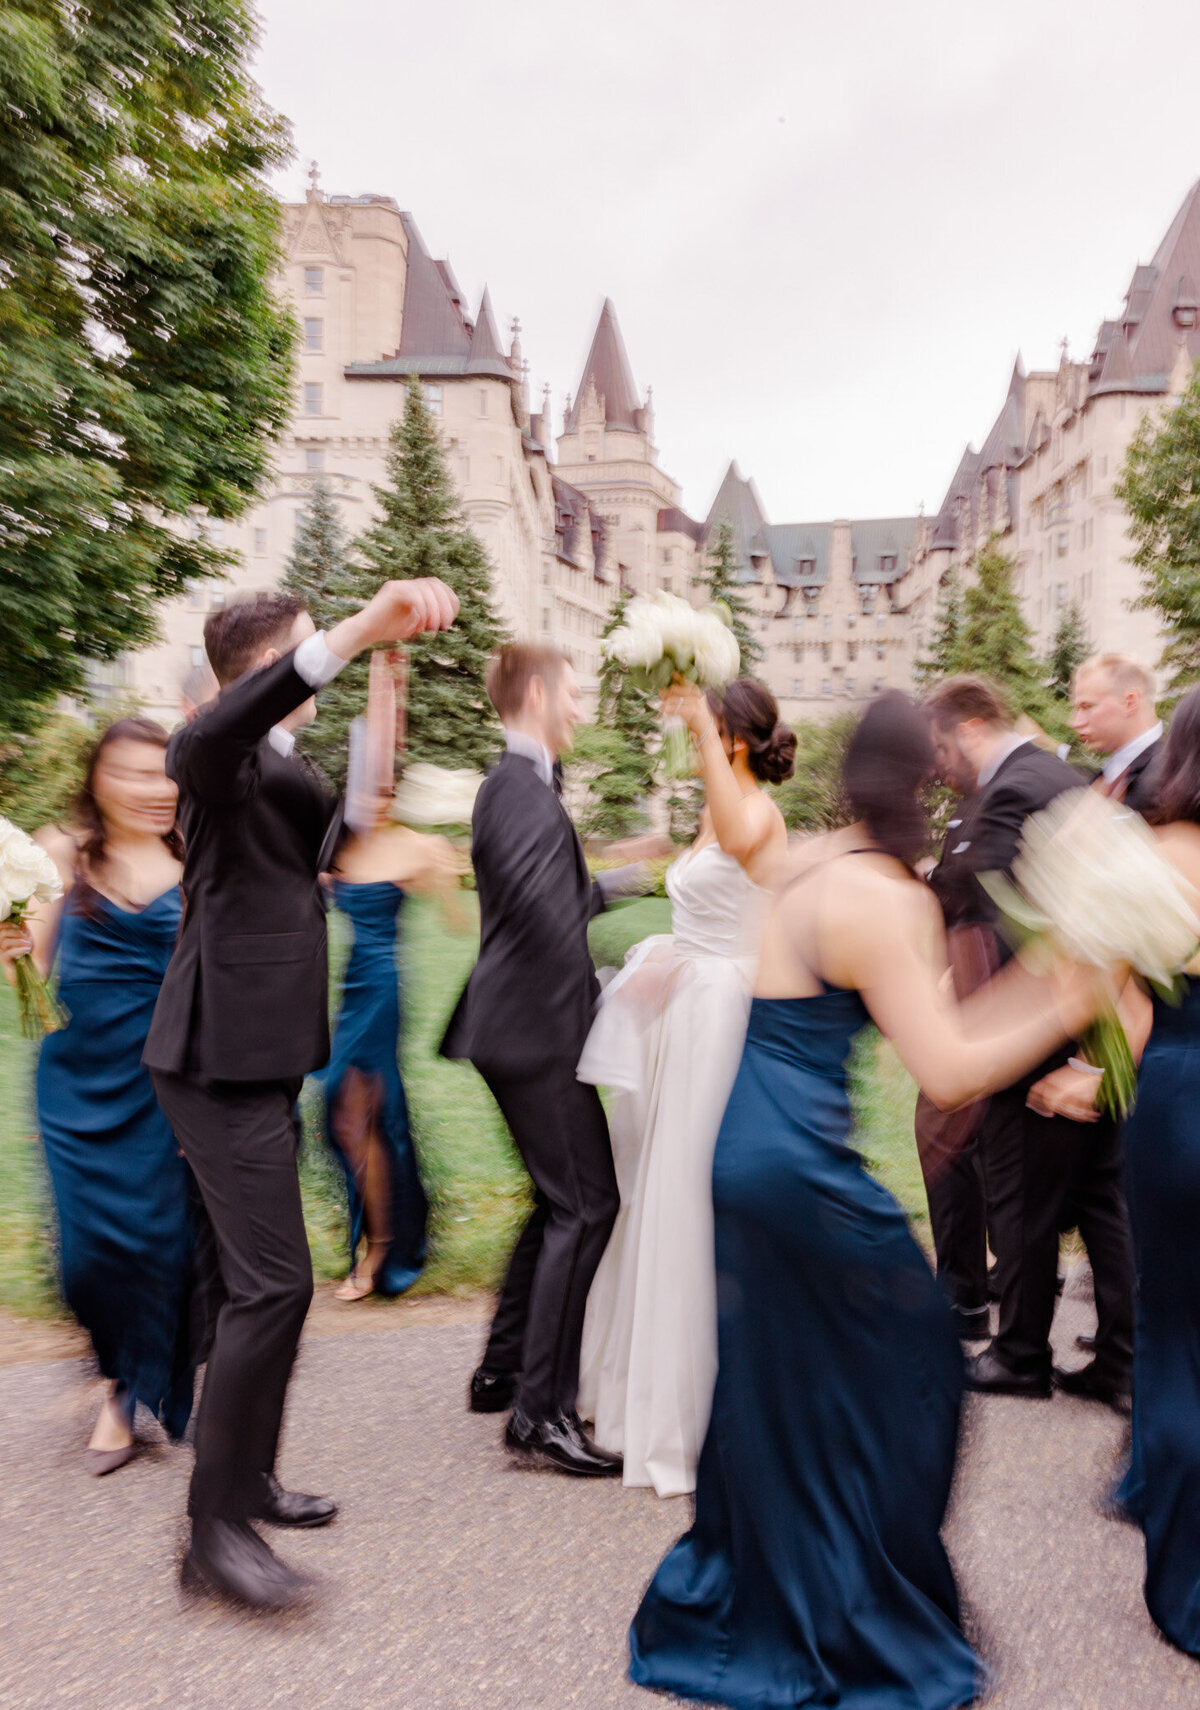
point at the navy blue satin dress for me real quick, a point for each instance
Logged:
(814, 1573)
(120, 1184)
(1162, 1491)
(362, 1082)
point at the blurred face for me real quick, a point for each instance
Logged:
(953, 767)
(132, 789)
(306, 712)
(1104, 718)
(557, 709)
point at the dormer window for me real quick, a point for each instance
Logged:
(887, 565)
(806, 568)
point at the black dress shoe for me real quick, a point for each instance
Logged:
(1085, 1384)
(562, 1444)
(292, 1508)
(974, 1324)
(228, 1559)
(990, 1376)
(492, 1392)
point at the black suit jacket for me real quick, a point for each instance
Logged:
(986, 839)
(529, 1002)
(245, 997)
(1141, 781)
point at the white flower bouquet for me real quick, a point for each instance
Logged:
(1091, 880)
(27, 874)
(434, 796)
(663, 637)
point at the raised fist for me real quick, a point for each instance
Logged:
(401, 610)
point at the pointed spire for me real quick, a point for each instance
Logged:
(486, 353)
(608, 371)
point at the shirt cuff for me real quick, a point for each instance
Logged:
(316, 661)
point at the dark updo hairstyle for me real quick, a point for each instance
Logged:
(91, 833)
(888, 763)
(1176, 776)
(749, 713)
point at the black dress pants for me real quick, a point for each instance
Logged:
(958, 1223)
(1036, 1167)
(240, 1141)
(561, 1132)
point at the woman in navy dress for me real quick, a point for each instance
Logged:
(1162, 1142)
(814, 1573)
(366, 1112)
(119, 1183)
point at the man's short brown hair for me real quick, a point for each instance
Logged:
(1124, 673)
(960, 699)
(236, 635)
(513, 668)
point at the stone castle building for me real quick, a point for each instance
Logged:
(844, 608)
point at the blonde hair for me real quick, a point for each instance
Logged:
(1124, 673)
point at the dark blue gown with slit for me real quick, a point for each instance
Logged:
(1162, 1490)
(120, 1184)
(363, 1078)
(814, 1573)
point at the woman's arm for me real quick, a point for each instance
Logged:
(748, 826)
(36, 936)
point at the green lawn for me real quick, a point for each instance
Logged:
(476, 1185)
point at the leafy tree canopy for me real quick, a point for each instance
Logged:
(145, 362)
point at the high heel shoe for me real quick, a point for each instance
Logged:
(101, 1461)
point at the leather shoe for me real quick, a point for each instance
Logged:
(1084, 1383)
(227, 1558)
(292, 1508)
(990, 1376)
(562, 1444)
(492, 1392)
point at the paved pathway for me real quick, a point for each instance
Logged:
(453, 1580)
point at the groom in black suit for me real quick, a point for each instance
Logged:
(240, 1020)
(1041, 1168)
(522, 1020)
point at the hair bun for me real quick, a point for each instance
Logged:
(777, 758)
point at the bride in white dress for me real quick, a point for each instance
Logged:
(668, 1038)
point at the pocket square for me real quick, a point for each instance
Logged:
(960, 848)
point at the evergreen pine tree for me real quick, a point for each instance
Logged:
(720, 580)
(616, 753)
(996, 642)
(320, 572)
(421, 532)
(1068, 651)
(942, 658)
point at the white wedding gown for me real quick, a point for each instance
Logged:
(669, 1036)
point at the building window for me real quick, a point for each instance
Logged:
(881, 650)
(824, 685)
(314, 459)
(851, 618)
(797, 685)
(880, 620)
(217, 599)
(887, 565)
(852, 650)
(197, 655)
(850, 685)
(195, 596)
(314, 398)
(433, 398)
(213, 530)
(877, 685)
(545, 620)
(547, 575)
(1062, 544)
(314, 334)
(483, 401)
(260, 543)
(314, 281)
(828, 624)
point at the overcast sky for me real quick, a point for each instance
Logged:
(827, 229)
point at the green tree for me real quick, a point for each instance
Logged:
(812, 799)
(946, 640)
(1160, 489)
(320, 573)
(1067, 653)
(721, 580)
(145, 362)
(41, 771)
(615, 776)
(997, 642)
(421, 532)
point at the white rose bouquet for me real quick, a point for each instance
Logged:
(27, 874)
(1091, 880)
(431, 796)
(663, 637)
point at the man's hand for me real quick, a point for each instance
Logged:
(399, 611)
(1066, 1092)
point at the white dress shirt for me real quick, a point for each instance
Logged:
(1128, 753)
(988, 772)
(318, 664)
(517, 742)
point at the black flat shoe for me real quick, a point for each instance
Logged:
(228, 1559)
(492, 1392)
(292, 1508)
(1088, 1387)
(990, 1376)
(562, 1444)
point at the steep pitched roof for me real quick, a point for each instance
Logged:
(674, 521)
(432, 323)
(486, 355)
(607, 368)
(1137, 353)
(737, 503)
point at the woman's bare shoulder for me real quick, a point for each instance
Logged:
(61, 846)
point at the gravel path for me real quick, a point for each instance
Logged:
(453, 1580)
